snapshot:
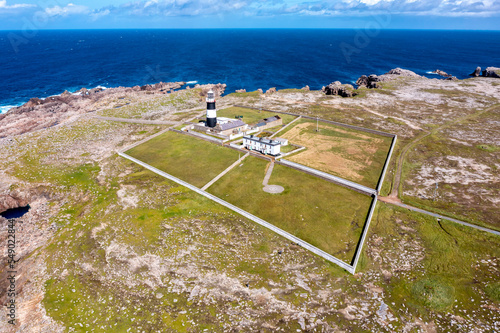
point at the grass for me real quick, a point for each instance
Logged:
(251, 116)
(350, 145)
(447, 276)
(453, 198)
(191, 159)
(255, 93)
(323, 214)
(157, 105)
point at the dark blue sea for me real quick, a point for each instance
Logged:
(44, 63)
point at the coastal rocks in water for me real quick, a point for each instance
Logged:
(476, 72)
(373, 80)
(337, 88)
(492, 72)
(241, 91)
(271, 90)
(442, 73)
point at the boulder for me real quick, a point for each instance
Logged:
(306, 88)
(218, 89)
(241, 91)
(368, 81)
(402, 72)
(442, 73)
(260, 90)
(476, 72)
(337, 88)
(371, 81)
(271, 90)
(9, 202)
(492, 72)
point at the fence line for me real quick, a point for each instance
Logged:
(386, 165)
(334, 179)
(363, 129)
(246, 214)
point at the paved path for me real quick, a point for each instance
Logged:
(246, 214)
(415, 209)
(273, 189)
(137, 121)
(220, 175)
(296, 119)
(332, 178)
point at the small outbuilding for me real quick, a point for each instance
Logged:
(282, 141)
(269, 122)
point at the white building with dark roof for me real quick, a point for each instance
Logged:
(262, 145)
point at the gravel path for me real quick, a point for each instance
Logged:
(394, 201)
(273, 189)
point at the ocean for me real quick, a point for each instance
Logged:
(48, 62)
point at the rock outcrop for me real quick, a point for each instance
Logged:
(337, 88)
(476, 72)
(241, 91)
(492, 72)
(218, 89)
(271, 90)
(44, 113)
(442, 73)
(306, 88)
(372, 81)
(368, 81)
(8, 201)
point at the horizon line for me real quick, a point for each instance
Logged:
(257, 28)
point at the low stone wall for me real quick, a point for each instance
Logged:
(368, 130)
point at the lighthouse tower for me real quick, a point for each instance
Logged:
(211, 110)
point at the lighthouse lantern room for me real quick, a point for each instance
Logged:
(211, 110)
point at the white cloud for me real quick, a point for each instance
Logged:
(70, 9)
(98, 14)
(3, 5)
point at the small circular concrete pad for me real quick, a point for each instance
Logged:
(273, 189)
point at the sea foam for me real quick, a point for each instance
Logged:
(5, 108)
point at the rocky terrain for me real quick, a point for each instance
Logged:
(109, 247)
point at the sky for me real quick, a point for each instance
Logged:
(358, 14)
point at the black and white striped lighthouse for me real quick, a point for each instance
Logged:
(211, 110)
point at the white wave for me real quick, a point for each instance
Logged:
(191, 82)
(5, 108)
(101, 87)
(430, 72)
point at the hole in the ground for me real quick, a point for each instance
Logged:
(15, 213)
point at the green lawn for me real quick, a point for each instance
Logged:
(323, 214)
(193, 160)
(251, 116)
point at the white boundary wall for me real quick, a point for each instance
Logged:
(246, 214)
